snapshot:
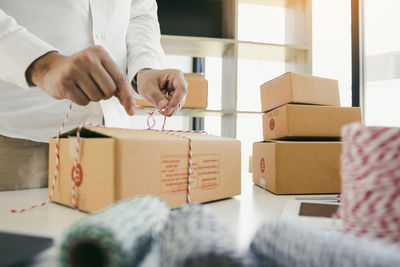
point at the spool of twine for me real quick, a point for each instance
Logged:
(371, 181)
(120, 235)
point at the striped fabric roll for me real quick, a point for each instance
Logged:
(371, 181)
(120, 235)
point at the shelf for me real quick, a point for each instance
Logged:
(189, 29)
(279, 3)
(190, 112)
(195, 46)
(208, 112)
(249, 112)
(200, 112)
(271, 52)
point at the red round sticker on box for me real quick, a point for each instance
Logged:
(79, 175)
(262, 165)
(271, 124)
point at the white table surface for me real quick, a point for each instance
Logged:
(241, 214)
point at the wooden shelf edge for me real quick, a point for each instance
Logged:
(195, 46)
(270, 51)
(190, 112)
(196, 38)
(249, 112)
(278, 3)
(288, 46)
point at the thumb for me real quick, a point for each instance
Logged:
(126, 98)
(158, 98)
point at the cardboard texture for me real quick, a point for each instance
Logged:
(299, 88)
(197, 92)
(305, 121)
(120, 163)
(285, 167)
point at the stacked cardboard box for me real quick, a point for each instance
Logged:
(301, 150)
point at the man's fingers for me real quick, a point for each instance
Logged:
(158, 98)
(166, 89)
(76, 95)
(177, 101)
(89, 87)
(124, 89)
(127, 100)
(104, 81)
(180, 91)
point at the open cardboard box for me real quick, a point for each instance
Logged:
(285, 167)
(307, 121)
(197, 92)
(120, 163)
(299, 88)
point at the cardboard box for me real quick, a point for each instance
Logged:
(299, 88)
(284, 167)
(250, 164)
(305, 121)
(197, 92)
(120, 163)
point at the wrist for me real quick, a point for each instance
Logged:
(38, 69)
(134, 81)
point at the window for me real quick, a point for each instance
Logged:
(382, 62)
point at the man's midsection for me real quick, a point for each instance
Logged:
(23, 164)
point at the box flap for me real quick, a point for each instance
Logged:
(277, 77)
(85, 132)
(301, 141)
(266, 141)
(306, 141)
(128, 134)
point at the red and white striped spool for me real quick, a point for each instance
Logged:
(371, 181)
(74, 196)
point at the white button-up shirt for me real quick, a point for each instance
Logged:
(127, 29)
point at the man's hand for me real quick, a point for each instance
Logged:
(89, 75)
(163, 89)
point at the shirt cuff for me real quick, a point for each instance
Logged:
(21, 49)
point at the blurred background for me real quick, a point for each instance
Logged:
(240, 44)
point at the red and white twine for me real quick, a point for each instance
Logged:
(57, 164)
(371, 181)
(150, 124)
(190, 157)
